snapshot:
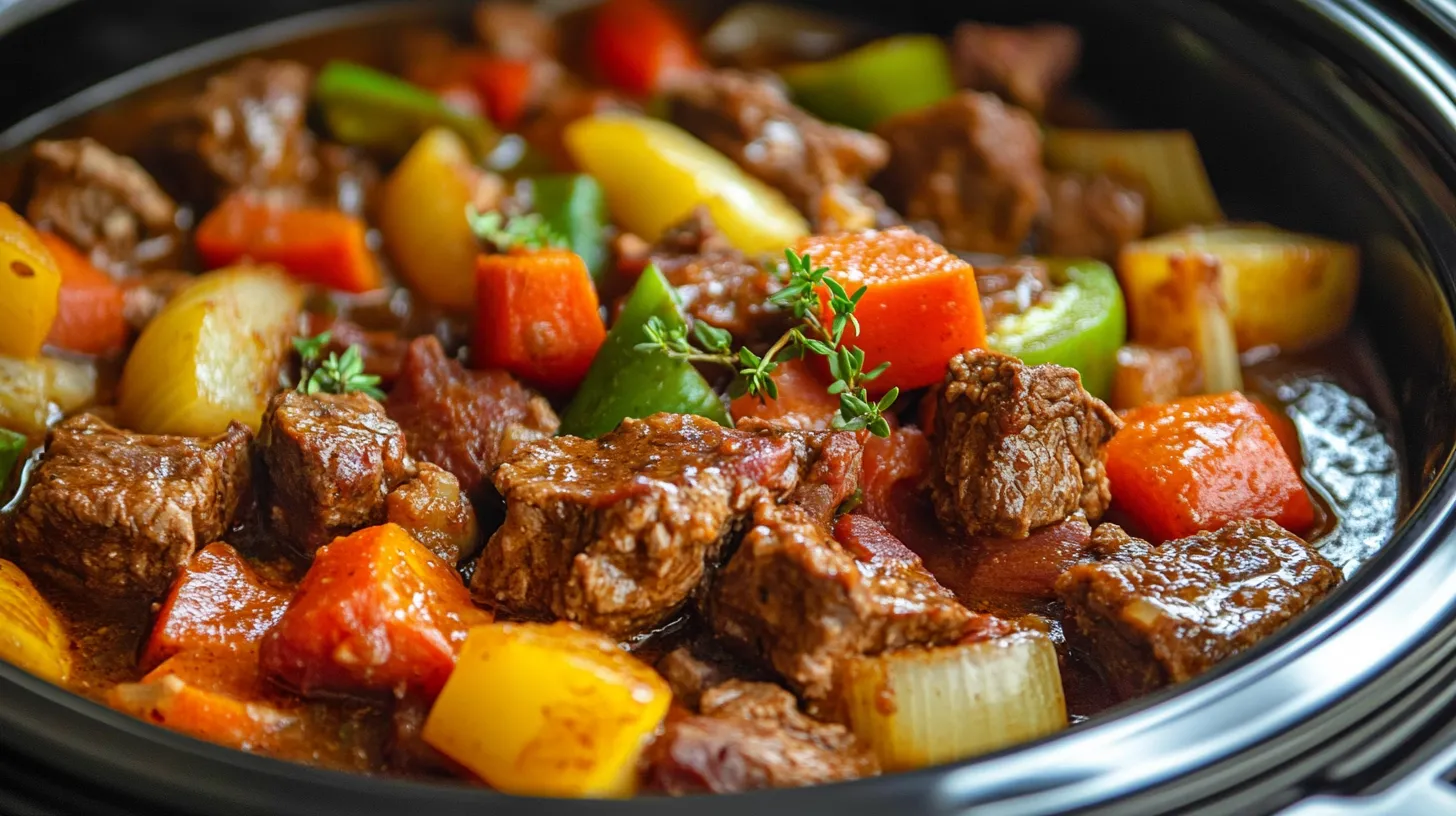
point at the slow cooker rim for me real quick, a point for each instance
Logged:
(1428, 524)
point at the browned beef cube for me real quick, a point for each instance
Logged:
(463, 421)
(515, 30)
(1091, 217)
(972, 165)
(803, 602)
(1172, 613)
(1027, 66)
(331, 461)
(693, 669)
(112, 516)
(434, 509)
(104, 204)
(615, 533)
(751, 736)
(1016, 447)
(749, 118)
(253, 126)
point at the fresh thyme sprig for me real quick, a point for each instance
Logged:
(505, 233)
(335, 374)
(754, 373)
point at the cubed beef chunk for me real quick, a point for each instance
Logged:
(113, 516)
(693, 669)
(751, 736)
(615, 533)
(253, 126)
(463, 421)
(1011, 576)
(715, 282)
(104, 204)
(433, 509)
(515, 30)
(1026, 66)
(1171, 614)
(803, 602)
(1091, 217)
(1150, 376)
(1010, 287)
(1110, 542)
(972, 165)
(1016, 447)
(331, 460)
(749, 118)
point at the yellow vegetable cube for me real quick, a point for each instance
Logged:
(654, 174)
(31, 634)
(422, 219)
(212, 355)
(548, 710)
(36, 392)
(30, 286)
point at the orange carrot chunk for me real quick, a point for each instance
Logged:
(376, 614)
(922, 307)
(324, 247)
(503, 87)
(804, 401)
(1201, 462)
(537, 317)
(217, 602)
(89, 315)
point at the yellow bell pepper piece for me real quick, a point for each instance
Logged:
(30, 286)
(422, 219)
(212, 355)
(548, 710)
(31, 634)
(655, 173)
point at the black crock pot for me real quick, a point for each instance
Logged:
(1333, 116)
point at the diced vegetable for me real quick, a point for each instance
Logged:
(376, 614)
(89, 317)
(548, 710)
(422, 217)
(212, 355)
(921, 309)
(12, 446)
(325, 247)
(1200, 463)
(504, 87)
(637, 44)
(36, 393)
(925, 707)
(767, 34)
(631, 155)
(537, 317)
(1281, 288)
(217, 602)
(575, 208)
(32, 636)
(214, 695)
(1164, 164)
(874, 82)
(625, 381)
(803, 401)
(1179, 302)
(1082, 326)
(368, 108)
(30, 285)
(1283, 429)
(1147, 375)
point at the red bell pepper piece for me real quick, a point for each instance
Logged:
(637, 44)
(217, 602)
(537, 317)
(503, 86)
(1201, 462)
(325, 247)
(89, 315)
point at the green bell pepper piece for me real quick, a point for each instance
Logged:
(874, 82)
(369, 108)
(575, 208)
(12, 447)
(1082, 325)
(626, 382)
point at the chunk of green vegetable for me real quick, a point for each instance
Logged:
(368, 108)
(625, 381)
(12, 447)
(874, 82)
(575, 209)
